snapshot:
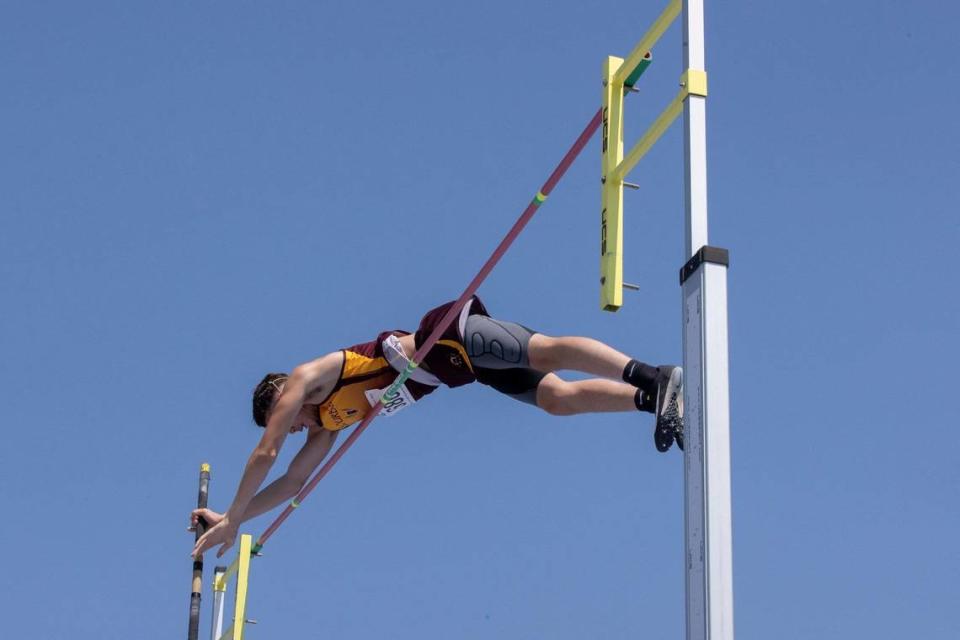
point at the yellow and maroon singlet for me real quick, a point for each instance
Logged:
(365, 368)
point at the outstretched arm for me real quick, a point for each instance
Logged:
(314, 451)
(304, 381)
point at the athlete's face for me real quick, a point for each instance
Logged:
(306, 418)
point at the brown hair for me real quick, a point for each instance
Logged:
(264, 394)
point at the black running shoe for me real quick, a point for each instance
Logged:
(669, 411)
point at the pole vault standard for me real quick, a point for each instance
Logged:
(703, 278)
(454, 311)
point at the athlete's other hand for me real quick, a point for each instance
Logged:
(223, 533)
(212, 518)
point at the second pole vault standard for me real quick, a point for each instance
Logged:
(454, 311)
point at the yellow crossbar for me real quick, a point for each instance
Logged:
(220, 581)
(649, 39)
(692, 82)
(656, 130)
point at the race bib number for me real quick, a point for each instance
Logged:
(391, 406)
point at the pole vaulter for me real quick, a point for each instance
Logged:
(454, 311)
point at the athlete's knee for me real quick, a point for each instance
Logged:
(556, 397)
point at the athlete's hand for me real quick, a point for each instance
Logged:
(210, 517)
(223, 533)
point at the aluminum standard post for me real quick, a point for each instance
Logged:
(219, 590)
(708, 523)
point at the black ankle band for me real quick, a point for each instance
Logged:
(645, 401)
(640, 375)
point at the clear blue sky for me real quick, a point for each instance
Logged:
(193, 194)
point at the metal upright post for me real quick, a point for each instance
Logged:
(219, 591)
(708, 523)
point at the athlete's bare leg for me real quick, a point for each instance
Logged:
(578, 354)
(563, 398)
(653, 389)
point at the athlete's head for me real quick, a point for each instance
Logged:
(265, 394)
